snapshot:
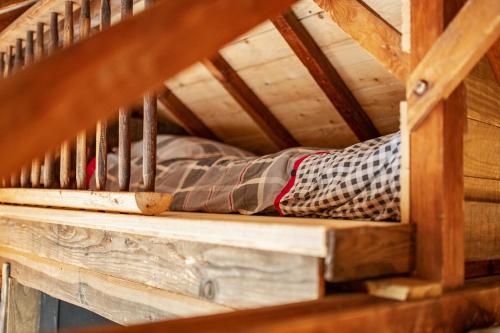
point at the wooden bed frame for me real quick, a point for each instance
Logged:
(126, 257)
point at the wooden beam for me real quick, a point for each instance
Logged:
(325, 75)
(119, 300)
(146, 203)
(250, 102)
(202, 271)
(494, 59)
(9, 16)
(476, 305)
(372, 32)
(436, 162)
(452, 56)
(184, 41)
(187, 119)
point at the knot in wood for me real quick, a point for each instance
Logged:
(208, 289)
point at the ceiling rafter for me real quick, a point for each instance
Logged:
(371, 31)
(249, 101)
(325, 75)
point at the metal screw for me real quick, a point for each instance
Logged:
(421, 87)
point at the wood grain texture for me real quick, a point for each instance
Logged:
(169, 22)
(7, 18)
(81, 139)
(119, 300)
(360, 253)
(372, 32)
(139, 203)
(474, 306)
(4, 296)
(150, 128)
(481, 189)
(482, 232)
(250, 102)
(187, 119)
(482, 151)
(403, 289)
(24, 309)
(230, 276)
(325, 75)
(494, 59)
(452, 56)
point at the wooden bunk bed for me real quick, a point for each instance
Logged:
(325, 73)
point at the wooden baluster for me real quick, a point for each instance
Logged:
(101, 142)
(48, 165)
(81, 140)
(36, 164)
(4, 182)
(18, 58)
(149, 135)
(123, 125)
(65, 166)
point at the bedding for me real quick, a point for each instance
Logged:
(358, 182)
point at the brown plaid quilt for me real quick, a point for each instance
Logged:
(358, 182)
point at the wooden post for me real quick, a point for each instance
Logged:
(2, 73)
(65, 166)
(48, 165)
(25, 171)
(123, 125)
(38, 54)
(101, 141)
(4, 297)
(149, 136)
(18, 58)
(436, 161)
(81, 140)
(5, 72)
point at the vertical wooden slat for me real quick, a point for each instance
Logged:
(38, 54)
(65, 166)
(124, 125)
(14, 177)
(81, 140)
(149, 135)
(101, 142)
(48, 164)
(4, 182)
(436, 161)
(28, 59)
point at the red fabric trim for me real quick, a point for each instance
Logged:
(90, 172)
(291, 181)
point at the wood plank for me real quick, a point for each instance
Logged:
(150, 69)
(325, 75)
(250, 102)
(452, 56)
(187, 119)
(436, 161)
(476, 305)
(305, 236)
(130, 202)
(24, 309)
(234, 277)
(482, 231)
(494, 59)
(372, 32)
(404, 289)
(119, 300)
(481, 189)
(4, 296)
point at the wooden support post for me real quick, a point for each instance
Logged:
(436, 162)
(48, 164)
(2, 73)
(149, 135)
(81, 140)
(4, 297)
(101, 156)
(14, 177)
(36, 164)
(124, 124)
(65, 166)
(325, 75)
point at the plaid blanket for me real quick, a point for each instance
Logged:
(358, 182)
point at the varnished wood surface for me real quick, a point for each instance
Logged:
(170, 54)
(249, 101)
(325, 75)
(494, 59)
(372, 32)
(474, 306)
